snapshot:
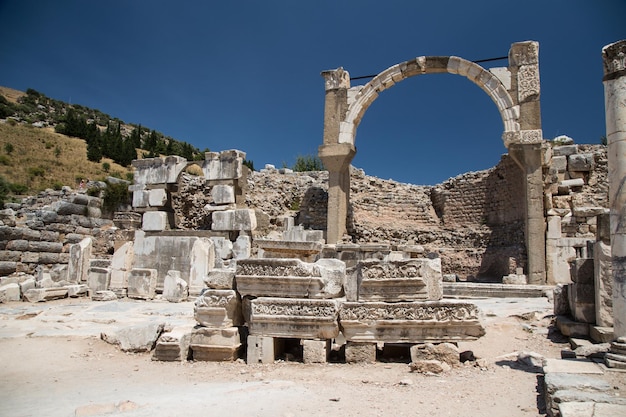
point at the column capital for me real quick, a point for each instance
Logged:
(614, 60)
(335, 79)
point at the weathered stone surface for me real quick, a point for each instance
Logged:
(175, 289)
(77, 290)
(158, 170)
(305, 251)
(215, 345)
(240, 219)
(7, 267)
(360, 352)
(142, 283)
(290, 278)
(121, 264)
(220, 279)
(260, 349)
(226, 165)
(561, 300)
(582, 302)
(315, 351)
(157, 197)
(138, 338)
(443, 352)
(580, 162)
(45, 294)
(78, 266)
(571, 328)
(218, 308)
(27, 284)
(223, 194)
(154, 221)
(293, 318)
(98, 279)
(223, 247)
(405, 280)
(410, 322)
(10, 292)
(241, 247)
(105, 295)
(603, 284)
(431, 366)
(173, 345)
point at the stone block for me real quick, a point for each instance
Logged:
(559, 163)
(223, 247)
(98, 279)
(121, 264)
(580, 162)
(173, 345)
(226, 165)
(357, 352)
(218, 308)
(305, 251)
(601, 334)
(175, 289)
(564, 150)
(10, 256)
(201, 262)
(315, 351)
(78, 266)
(10, 292)
(27, 284)
(105, 295)
(7, 267)
(233, 220)
(582, 271)
(293, 318)
(410, 322)
(154, 221)
(77, 290)
(561, 300)
(443, 352)
(215, 345)
(260, 349)
(515, 279)
(220, 279)
(299, 234)
(142, 283)
(241, 247)
(582, 302)
(137, 338)
(157, 197)
(223, 194)
(158, 170)
(603, 284)
(45, 294)
(571, 328)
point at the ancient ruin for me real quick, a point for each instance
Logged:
(275, 259)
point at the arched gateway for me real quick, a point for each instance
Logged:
(515, 92)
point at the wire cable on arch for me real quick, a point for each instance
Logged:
(362, 77)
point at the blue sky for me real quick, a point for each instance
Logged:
(246, 74)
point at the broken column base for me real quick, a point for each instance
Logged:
(357, 352)
(315, 351)
(616, 357)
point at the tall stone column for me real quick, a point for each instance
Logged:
(614, 58)
(336, 156)
(526, 151)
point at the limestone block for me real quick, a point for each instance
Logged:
(444, 352)
(305, 251)
(78, 266)
(223, 247)
(554, 227)
(27, 284)
(53, 247)
(218, 308)
(559, 163)
(515, 279)
(293, 318)
(157, 197)
(406, 280)
(564, 150)
(121, 264)
(603, 284)
(559, 381)
(64, 208)
(429, 366)
(582, 271)
(201, 262)
(173, 345)
(571, 328)
(240, 219)
(215, 345)
(261, 349)
(226, 165)
(357, 352)
(137, 338)
(10, 292)
(45, 294)
(154, 221)
(580, 162)
(410, 322)
(142, 283)
(220, 279)
(77, 290)
(175, 289)
(98, 279)
(299, 234)
(561, 300)
(158, 170)
(289, 278)
(223, 194)
(7, 267)
(105, 295)
(315, 351)
(333, 273)
(241, 247)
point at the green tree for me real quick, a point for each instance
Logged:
(306, 163)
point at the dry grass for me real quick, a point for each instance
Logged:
(10, 94)
(44, 159)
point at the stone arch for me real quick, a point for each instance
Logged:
(489, 83)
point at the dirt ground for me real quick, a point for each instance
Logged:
(84, 376)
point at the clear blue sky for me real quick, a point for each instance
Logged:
(246, 74)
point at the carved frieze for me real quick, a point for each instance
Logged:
(531, 136)
(439, 312)
(294, 308)
(276, 267)
(216, 298)
(528, 82)
(391, 270)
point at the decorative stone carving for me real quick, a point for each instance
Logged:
(531, 136)
(528, 83)
(614, 58)
(524, 53)
(410, 322)
(293, 318)
(218, 308)
(337, 78)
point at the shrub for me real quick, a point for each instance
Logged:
(57, 151)
(5, 160)
(57, 186)
(8, 148)
(115, 195)
(36, 171)
(106, 166)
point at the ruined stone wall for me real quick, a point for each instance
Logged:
(39, 231)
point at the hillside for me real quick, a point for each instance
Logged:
(41, 158)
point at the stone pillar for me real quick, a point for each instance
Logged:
(526, 151)
(528, 157)
(614, 59)
(336, 156)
